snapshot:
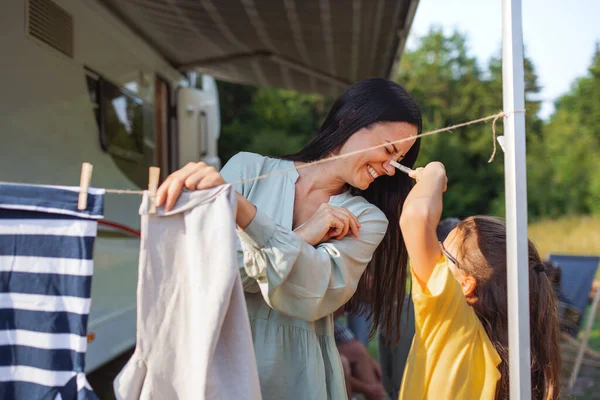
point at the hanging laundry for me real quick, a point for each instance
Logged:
(46, 267)
(193, 333)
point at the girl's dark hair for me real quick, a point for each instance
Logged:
(482, 253)
(363, 105)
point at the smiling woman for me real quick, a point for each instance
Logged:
(318, 237)
(363, 168)
(371, 113)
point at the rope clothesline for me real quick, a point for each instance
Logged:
(493, 117)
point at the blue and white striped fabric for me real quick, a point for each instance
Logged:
(46, 266)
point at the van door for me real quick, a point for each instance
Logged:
(199, 123)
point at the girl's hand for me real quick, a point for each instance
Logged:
(433, 173)
(329, 222)
(194, 176)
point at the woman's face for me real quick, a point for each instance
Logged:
(362, 169)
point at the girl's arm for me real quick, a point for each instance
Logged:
(420, 216)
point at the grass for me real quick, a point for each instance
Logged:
(594, 342)
(568, 235)
(587, 374)
(579, 235)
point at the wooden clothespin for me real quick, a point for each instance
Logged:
(154, 176)
(84, 185)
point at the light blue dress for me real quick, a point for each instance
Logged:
(293, 288)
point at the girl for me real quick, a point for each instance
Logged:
(460, 348)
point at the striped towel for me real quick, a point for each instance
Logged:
(46, 266)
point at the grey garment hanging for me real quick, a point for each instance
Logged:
(193, 333)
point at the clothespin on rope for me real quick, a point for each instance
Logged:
(154, 175)
(501, 142)
(84, 185)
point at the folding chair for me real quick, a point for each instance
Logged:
(577, 277)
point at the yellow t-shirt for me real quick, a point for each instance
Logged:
(451, 356)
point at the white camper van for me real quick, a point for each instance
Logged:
(112, 83)
(92, 91)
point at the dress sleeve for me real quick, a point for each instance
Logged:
(241, 167)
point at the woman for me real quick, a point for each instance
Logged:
(308, 236)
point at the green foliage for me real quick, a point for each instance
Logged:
(267, 121)
(570, 149)
(451, 86)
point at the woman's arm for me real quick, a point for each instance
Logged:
(420, 216)
(302, 280)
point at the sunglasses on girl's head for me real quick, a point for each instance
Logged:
(448, 255)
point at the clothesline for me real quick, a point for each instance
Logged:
(493, 117)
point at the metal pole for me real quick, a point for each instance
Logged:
(515, 181)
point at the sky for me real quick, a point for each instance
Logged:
(559, 36)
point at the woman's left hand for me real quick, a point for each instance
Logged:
(194, 176)
(327, 223)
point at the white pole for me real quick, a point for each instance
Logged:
(515, 181)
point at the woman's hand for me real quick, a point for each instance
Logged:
(194, 176)
(329, 222)
(199, 176)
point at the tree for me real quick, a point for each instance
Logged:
(267, 121)
(571, 148)
(451, 88)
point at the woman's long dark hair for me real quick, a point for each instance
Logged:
(362, 105)
(482, 254)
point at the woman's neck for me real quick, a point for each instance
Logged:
(317, 179)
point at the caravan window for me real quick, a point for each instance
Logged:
(125, 126)
(93, 85)
(124, 118)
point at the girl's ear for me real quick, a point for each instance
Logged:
(468, 286)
